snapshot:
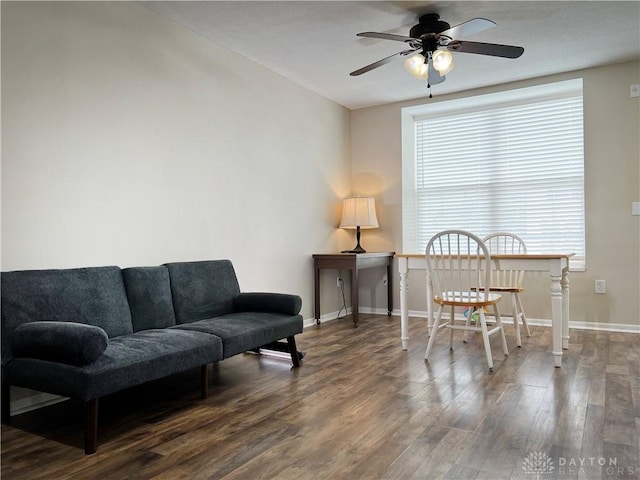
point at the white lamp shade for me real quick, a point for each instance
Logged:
(359, 212)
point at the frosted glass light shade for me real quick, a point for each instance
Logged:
(442, 61)
(416, 66)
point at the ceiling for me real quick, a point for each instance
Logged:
(314, 43)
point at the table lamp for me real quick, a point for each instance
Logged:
(358, 212)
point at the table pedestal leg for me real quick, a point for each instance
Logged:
(403, 267)
(565, 308)
(556, 317)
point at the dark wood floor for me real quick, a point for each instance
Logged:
(361, 408)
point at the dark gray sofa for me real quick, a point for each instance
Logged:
(88, 332)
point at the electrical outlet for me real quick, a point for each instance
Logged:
(601, 286)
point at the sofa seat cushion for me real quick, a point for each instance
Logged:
(66, 342)
(243, 331)
(127, 361)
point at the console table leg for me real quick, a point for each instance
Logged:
(316, 291)
(389, 288)
(354, 296)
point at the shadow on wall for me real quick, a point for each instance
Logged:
(371, 185)
(367, 185)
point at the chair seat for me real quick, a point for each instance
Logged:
(472, 299)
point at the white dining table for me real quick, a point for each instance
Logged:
(555, 264)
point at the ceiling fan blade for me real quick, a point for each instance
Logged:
(434, 75)
(493, 49)
(470, 27)
(379, 63)
(386, 36)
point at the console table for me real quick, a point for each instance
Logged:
(352, 262)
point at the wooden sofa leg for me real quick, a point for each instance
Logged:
(291, 341)
(6, 402)
(204, 382)
(91, 426)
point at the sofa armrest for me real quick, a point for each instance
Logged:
(65, 342)
(268, 302)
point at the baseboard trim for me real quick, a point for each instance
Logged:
(542, 322)
(327, 317)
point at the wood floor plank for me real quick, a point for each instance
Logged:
(359, 407)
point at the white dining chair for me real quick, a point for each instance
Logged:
(457, 262)
(509, 281)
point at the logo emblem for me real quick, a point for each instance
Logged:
(537, 463)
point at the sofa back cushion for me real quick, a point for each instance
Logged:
(202, 290)
(94, 296)
(149, 296)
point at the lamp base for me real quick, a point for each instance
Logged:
(355, 250)
(358, 248)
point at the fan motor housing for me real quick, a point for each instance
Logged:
(428, 24)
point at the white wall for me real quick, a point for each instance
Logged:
(612, 182)
(128, 140)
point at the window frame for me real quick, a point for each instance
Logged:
(520, 96)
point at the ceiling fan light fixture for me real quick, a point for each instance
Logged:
(442, 61)
(417, 66)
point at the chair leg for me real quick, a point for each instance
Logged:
(452, 316)
(503, 339)
(485, 339)
(516, 319)
(467, 323)
(434, 331)
(524, 317)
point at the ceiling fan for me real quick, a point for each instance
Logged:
(431, 42)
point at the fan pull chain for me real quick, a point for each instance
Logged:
(429, 87)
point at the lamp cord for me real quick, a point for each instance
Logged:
(344, 301)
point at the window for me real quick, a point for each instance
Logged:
(510, 161)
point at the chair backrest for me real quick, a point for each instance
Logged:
(457, 261)
(505, 243)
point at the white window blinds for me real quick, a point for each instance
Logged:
(513, 164)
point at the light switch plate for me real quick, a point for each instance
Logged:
(635, 208)
(635, 90)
